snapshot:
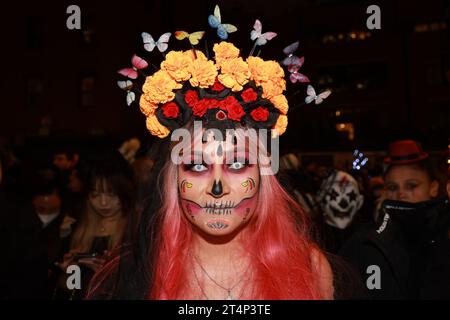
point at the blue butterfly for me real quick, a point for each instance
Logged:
(215, 21)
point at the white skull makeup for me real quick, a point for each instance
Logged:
(217, 196)
(340, 199)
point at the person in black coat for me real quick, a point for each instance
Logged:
(33, 240)
(407, 255)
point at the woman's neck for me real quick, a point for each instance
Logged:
(217, 250)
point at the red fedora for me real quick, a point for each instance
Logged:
(404, 152)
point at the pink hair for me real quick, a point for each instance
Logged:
(276, 237)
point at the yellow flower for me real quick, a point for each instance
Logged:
(203, 72)
(156, 128)
(177, 65)
(281, 125)
(273, 88)
(147, 108)
(225, 51)
(280, 102)
(263, 71)
(159, 87)
(235, 74)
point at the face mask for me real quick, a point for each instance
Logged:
(47, 218)
(340, 199)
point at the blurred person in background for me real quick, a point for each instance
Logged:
(70, 173)
(108, 210)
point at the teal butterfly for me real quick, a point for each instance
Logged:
(215, 21)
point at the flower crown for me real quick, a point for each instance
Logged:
(229, 89)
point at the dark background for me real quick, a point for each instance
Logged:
(60, 85)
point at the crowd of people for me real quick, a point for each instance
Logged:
(84, 209)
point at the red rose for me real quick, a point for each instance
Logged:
(249, 95)
(230, 100)
(191, 97)
(217, 86)
(170, 110)
(234, 109)
(199, 108)
(260, 114)
(213, 103)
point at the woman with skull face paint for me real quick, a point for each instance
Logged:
(218, 225)
(411, 245)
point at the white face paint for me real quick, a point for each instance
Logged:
(340, 199)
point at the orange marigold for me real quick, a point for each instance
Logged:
(203, 72)
(159, 87)
(280, 102)
(281, 125)
(234, 74)
(177, 65)
(224, 51)
(156, 128)
(147, 108)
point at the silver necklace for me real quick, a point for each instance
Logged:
(228, 290)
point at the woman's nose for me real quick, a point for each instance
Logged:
(103, 200)
(400, 195)
(217, 189)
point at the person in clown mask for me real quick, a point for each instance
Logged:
(340, 200)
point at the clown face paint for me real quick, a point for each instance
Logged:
(219, 196)
(340, 199)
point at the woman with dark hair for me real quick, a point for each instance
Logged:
(108, 209)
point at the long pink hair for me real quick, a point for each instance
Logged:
(277, 238)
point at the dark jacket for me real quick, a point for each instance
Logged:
(411, 248)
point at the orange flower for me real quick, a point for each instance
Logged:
(203, 72)
(255, 65)
(159, 87)
(263, 71)
(156, 128)
(225, 51)
(147, 108)
(177, 65)
(273, 88)
(234, 74)
(280, 102)
(280, 126)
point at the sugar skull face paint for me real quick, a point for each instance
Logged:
(248, 184)
(219, 196)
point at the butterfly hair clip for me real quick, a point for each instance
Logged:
(317, 98)
(295, 75)
(127, 85)
(291, 59)
(223, 29)
(137, 64)
(261, 38)
(161, 43)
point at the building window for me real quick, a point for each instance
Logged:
(355, 77)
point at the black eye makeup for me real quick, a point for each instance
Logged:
(195, 167)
